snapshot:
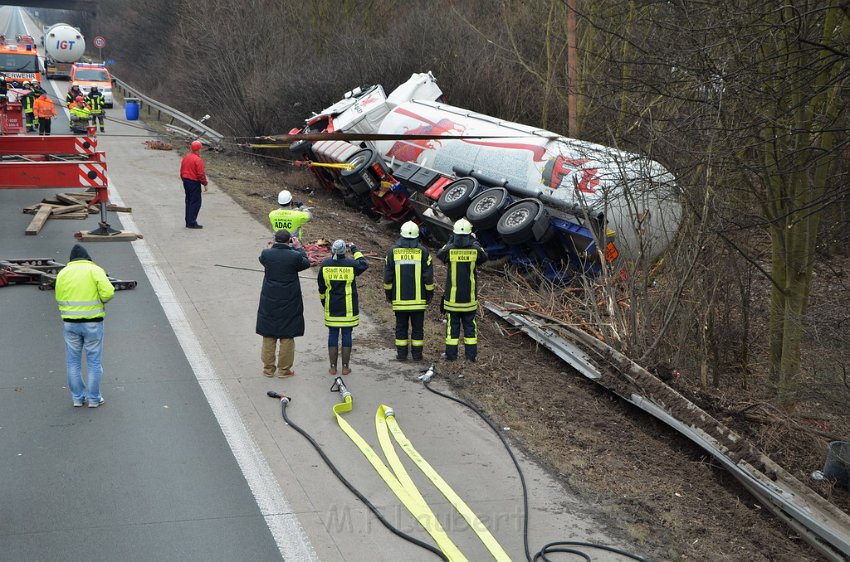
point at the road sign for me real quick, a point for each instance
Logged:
(99, 42)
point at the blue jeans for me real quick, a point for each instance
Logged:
(193, 201)
(88, 336)
(333, 336)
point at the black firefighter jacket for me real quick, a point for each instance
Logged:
(281, 311)
(461, 254)
(408, 275)
(338, 289)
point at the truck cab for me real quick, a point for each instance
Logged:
(91, 74)
(19, 59)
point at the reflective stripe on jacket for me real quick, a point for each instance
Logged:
(95, 101)
(289, 219)
(338, 289)
(408, 275)
(461, 290)
(44, 108)
(82, 288)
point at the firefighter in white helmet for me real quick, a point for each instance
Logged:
(409, 285)
(291, 215)
(462, 254)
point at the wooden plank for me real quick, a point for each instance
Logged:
(52, 201)
(71, 216)
(38, 221)
(68, 209)
(72, 198)
(118, 208)
(122, 236)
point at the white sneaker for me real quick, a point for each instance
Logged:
(96, 404)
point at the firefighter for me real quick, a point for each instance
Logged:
(338, 293)
(80, 114)
(95, 102)
(409, 285)
(45, 111)
(27, 101)
(291, 215)
(36, 88)
(462, 254)
(72, 94)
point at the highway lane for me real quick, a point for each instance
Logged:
(188, 448)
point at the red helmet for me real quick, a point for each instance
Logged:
(79, 98)
(196, 145)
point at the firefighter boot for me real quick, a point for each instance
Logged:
(333, 355)
(401, 352)
(346, 356)
(416, 352)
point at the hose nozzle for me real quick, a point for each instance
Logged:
(339, 386)
(282, 397)
(427, 375)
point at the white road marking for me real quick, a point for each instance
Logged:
(288, 534)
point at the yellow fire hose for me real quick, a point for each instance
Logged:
(399, 481)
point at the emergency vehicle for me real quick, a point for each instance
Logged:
(19, 59)
(93, 74)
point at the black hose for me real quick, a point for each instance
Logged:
(552, 547)
(283, 403)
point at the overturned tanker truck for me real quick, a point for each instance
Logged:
(561, 206)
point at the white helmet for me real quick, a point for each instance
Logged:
(463, 226)
(410, 230)
(284, 197)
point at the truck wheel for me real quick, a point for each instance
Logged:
(517, 224)
(457, 196)
(302, 149)
(487, 207)
(358, 178)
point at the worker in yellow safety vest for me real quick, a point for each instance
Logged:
(80, 113)
(27, 101)
(82, 289)
(291, 215)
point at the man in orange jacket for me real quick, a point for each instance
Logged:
(45, 111)
(193, 176)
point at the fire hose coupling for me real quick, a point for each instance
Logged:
(339, 386)
(389, 413)
(282, 397)
(427, 375)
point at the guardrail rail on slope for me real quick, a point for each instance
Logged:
(818, 522)
(193, 128)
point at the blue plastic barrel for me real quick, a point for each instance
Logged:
(131, 109)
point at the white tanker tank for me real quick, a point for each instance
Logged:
(528, 191)
(63, 46)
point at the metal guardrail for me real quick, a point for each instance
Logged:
(193, 126)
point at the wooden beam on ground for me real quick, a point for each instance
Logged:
(69, 209)
(38, 221)
(121, 236)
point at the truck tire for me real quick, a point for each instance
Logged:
(359, 178)
(457, 196)
(524, 221)
(302, 149)
(487, 207)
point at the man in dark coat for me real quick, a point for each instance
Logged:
(280, 316)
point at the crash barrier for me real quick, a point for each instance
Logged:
(190, 126)
(131, 109)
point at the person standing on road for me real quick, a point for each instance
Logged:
(280, 316)
(27, 101)
(291, 215)
(409, 285)
(95, 101)
(82, 289)
(338, 293)
(462, 254)
(193, 176)
(45, 111)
